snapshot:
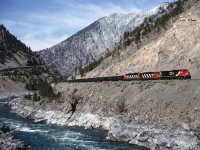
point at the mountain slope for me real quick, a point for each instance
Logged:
(175, 48)
(90, 42)
(19, 63)
(13, 53)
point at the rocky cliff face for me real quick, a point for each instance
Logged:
(90, 42)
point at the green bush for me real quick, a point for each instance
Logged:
(120, 106)
(46, 90)
(35, 97)
(28, 97)
(74, 91)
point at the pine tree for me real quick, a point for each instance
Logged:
(35, 97)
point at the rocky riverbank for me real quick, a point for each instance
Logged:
(8, 142)
(155, 114)
(5, 96)
(120, 128)
(153, 137)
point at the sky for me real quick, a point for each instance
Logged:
(41, 24)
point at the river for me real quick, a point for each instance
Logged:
(40, 136)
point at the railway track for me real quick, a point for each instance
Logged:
(22, 67)
(15, 68)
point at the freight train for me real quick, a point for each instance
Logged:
(162, 75)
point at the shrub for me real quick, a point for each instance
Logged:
(35, 97)
(46, 90)
(120, 106)
(28, 97)
(75, 90)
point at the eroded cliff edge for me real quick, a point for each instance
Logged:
(155, 114)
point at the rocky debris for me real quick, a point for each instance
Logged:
(11, 95)
(8, 142)
(7, 85)
(90, 121)
(126, 130)
(60, 117)
(41, 112)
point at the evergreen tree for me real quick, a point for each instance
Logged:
(46, 90)
(35, 97)
(81, 71)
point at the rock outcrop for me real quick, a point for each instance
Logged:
(153, 137)
(8, 142)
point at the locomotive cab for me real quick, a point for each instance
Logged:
(184, 73)
(175, 74)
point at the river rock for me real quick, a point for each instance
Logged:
(8, 142)
(153, 138)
